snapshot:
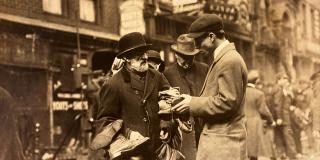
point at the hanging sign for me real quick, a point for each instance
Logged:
(180, 6)
(232, 11)
(131, 15)
(63, 101)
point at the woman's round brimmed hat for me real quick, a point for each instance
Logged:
(253, 76)
(185, 45)
(130, 42)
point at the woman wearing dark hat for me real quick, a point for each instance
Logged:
(155, 61)
(188, 75)
(256, 110)
(132, 95)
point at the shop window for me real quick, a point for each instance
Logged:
(88, 10)
(52, 6)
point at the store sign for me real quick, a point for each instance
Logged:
(179, 2)
(226, 11)
(64, 101)
(131, 14)
(232, 11)
(66, 105)
(180, 6)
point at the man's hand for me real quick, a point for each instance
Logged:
(183, 106)
(273, 124)
(292, 108)
(279, 122)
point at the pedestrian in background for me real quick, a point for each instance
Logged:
(256, 111)
(315, 107)
(282, 100)
(188, 75)
(10, 146)
(221, 100)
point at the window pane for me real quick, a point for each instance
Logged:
(52, 6)
(87, 10)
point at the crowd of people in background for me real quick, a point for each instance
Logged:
(293, 107)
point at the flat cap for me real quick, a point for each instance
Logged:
(205, 23)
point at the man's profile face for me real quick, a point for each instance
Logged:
(138, 61)
(204, 43)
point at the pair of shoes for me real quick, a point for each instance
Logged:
(105, 137)
(123, 147)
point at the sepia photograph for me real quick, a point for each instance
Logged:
(159, 79)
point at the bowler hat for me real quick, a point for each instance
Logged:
(253, 75)
(205, 23)
(185, 45)
(131, 41)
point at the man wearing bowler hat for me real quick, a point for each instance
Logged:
(132, 95)
(188, 75)
(222, 97)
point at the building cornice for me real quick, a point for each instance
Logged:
(56, 26)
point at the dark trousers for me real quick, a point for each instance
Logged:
(297, 137)
(284, 141)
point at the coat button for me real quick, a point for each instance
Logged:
(144, 119)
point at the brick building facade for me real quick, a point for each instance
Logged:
(39, 46)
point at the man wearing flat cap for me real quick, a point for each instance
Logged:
(221, 101)
(188, 75)
(132, 95)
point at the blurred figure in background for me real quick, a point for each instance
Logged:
(256, 111)
(315, 107)
(282, 100)
(10, 146)
(92, 94)
(302, 115)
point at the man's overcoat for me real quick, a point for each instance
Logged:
(220, 105)
(256, 111)
(133, 99)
